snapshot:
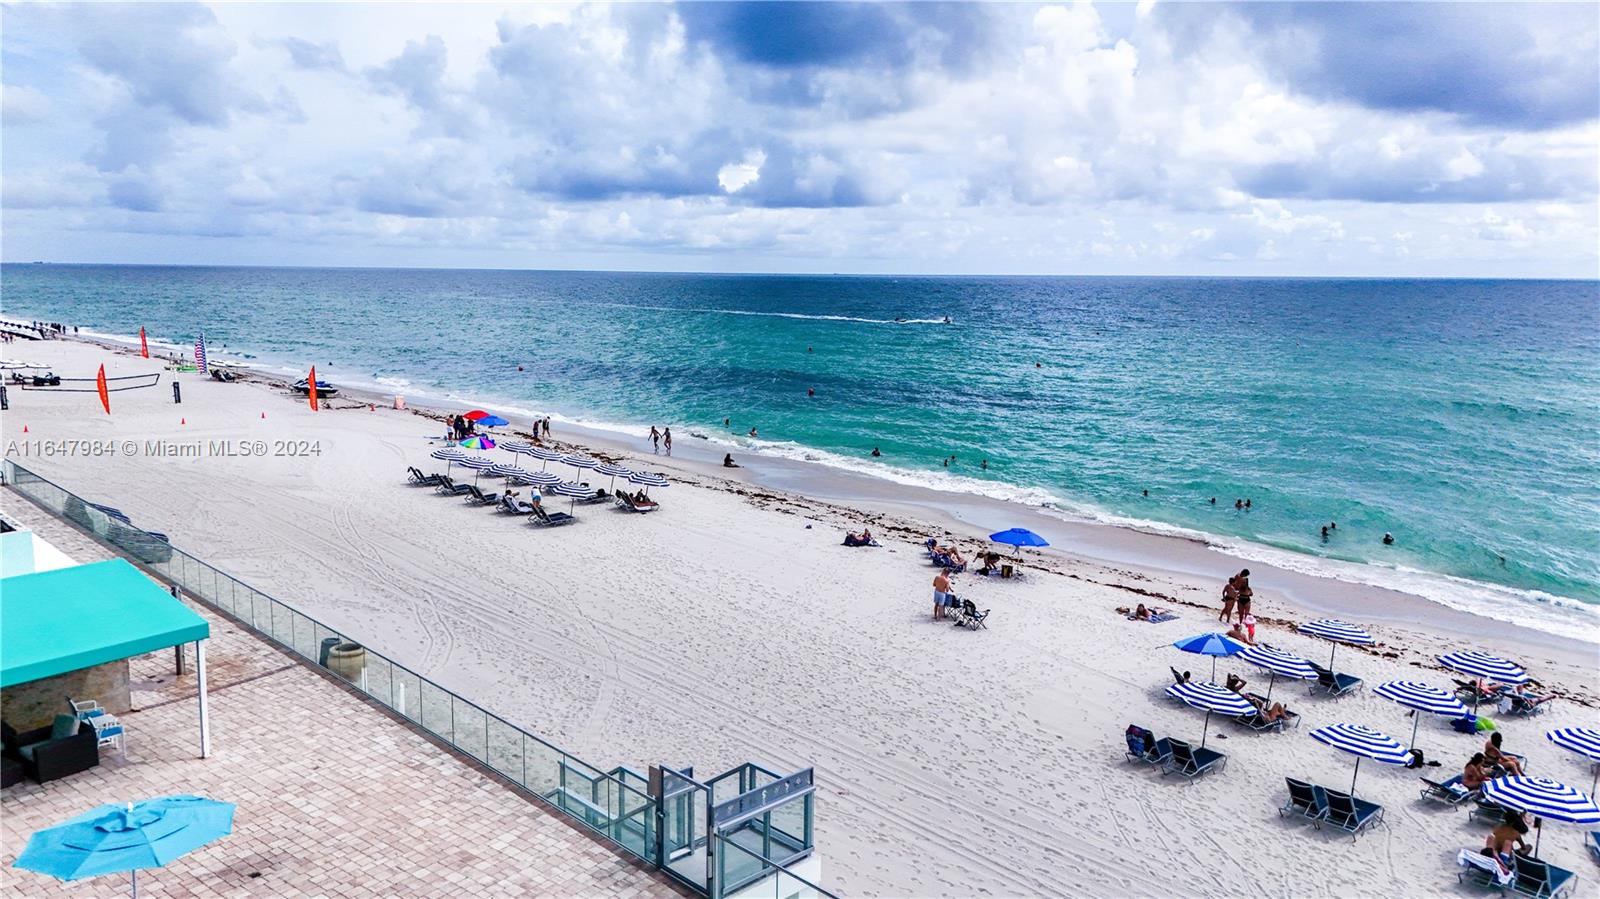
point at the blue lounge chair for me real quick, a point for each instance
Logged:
(416, 478)
(1451, 792)
(1593, 845)
(1191, 762)
(1540, 878)
(1334, 684)
(1304, 802)
(451, 488)
(1144, 747)
(478, 497)
(1348, 813)
(541, 518)
(514, 505)
(1489, 810)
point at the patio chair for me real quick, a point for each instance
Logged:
(965, 614)
(541, 518)
(1144, 747)
(479, 498)
(514, 505)
(1304, 802)
(633, 505)
(1524, 706)
(1191, 762)
(451, 488)
(1291, 718)
(1348, 813)
(1258, 722)
(1334, 684)
(1592, 843)
(1482, 869)
(1467, 691)
(50, 753)
(1535, 877)
(1451, 792)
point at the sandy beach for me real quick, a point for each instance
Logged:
(732, 626)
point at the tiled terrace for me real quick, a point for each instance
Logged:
(335, 798)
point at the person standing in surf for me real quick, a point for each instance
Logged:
(666, 440)
(655, 440)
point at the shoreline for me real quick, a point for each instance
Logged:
(1191, 568)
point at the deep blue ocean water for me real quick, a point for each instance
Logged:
(1462, 416)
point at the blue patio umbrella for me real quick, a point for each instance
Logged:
(1544, 798)
(1278, 662)
(1211, 645)
(1336, 631)
(492, 421)
(1422, 698)
(1018, 537)
(1363, 743)
(128, 837)
(1212, 698)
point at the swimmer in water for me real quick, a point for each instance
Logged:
(1388, 539)
(875, 452)
(984, 465)
(947, 319)
(1213, 501)
(1324, 533)
(1147, 493)
(811, 391)
(752, 432)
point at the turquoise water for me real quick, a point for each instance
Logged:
(1459, 415)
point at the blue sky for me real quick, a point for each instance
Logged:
(1256, 139)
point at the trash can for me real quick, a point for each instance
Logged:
(347, 660)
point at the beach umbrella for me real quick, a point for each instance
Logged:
(1018, 537)
(1543, 798)
(1585, 741)
(1211, 645)
(1481, 664)
(509, 471)
(577, 461)
(647, 480)
(479, 464)
(576, 491)
(475, 414)
(1278, 662)
(544, 455)
(1338, 632)
(614, 471)
(449, 455)
(1212, 698)
(1422, 698)
(477, 442)
(511, 446)
(127, 837)
(1363, 743)
(492, 421)
(540, 478)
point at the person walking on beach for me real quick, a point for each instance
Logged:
(941, 592)
(655, 439)
(547, 427)
(666, 440)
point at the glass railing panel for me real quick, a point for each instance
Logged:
(379, 682)
(436, 712)
(504, 749)
(543, 764)
(407, 694)
(470, 727)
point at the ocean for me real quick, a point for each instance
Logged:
(1461, 416)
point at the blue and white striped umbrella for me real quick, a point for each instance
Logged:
(1585, 741)
(540, 478)
(1481, 664)
(508, 471)
(1423, 698)
(1337, 631)
(1212, 698)
(646, 479)
(1544, 798)
(1363, 743)
(1278, 662)
(525, 449)
(480, 464)
(577, 461)
(576, 491)
(613, 471)
(449, 455)
(543, 455)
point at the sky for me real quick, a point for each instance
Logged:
(1260, 139)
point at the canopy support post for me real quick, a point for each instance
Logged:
(205, 710)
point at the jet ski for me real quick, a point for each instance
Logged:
(324, 389)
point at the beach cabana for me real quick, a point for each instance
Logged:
(63, 621)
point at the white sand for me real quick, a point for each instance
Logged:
(721, 629)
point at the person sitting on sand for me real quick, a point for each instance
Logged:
(941, 593)
(1237, 633)
(727, 461)
(1494, 755)
(1235, 683)
(1473, 775)
(956, 558)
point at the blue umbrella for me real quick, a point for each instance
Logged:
(1018, 537)
(1211, 645)
(1363, 743)
(1212, 698)
(492, 421)
(449, 455)
(1545, 798)
(1337, 631)
(1422, 698)
(131, 837)
(576, 491)
(1585, 741)
(1481, 664)
(614, 470)
(1278, 662)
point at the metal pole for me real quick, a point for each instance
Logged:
(205, 712)
(1270, 681)
(1354, 776)
(135, 884)
(1416, 719)
(1204, 728)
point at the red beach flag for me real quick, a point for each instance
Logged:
(100, 385)
(312, 392)
(144, 348)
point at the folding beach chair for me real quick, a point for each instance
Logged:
(451, 488)
(1481, 869)
(1191, 762)
(416, 478)
(1348, 813)
(478, 497)
(1144, 747)
(515, 506)
(541, 518)
(1334, 684)
(1451, 792)
(1540, 878)
(1304, 802)
(965, 614)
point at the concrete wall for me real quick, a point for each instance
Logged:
(37, 703)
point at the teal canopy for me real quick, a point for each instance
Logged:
(71, 618)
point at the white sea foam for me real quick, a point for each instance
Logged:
(793, 315)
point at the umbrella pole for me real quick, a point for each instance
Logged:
(135, 884)
(1416, 719)
(1205, 729)
(1270, 681)
(1330, 655)
(1213, 669)
(1355, 775)
(1538, 825)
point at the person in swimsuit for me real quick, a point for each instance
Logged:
(1495, 756)
(655, 439)
(1230, 595)
(1473, 776)
(941, 592)
(1505, 841)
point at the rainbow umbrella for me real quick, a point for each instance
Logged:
(478, 442)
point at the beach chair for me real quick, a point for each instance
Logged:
(1177, 677)
(964, 614)
(1467, 691)
(1523, 707)
(1304, 802)
(451, 488)
(1486, 809)
(1258, 723)
(1290, 718)
(478, 497)
(1593, 845)
(633, 505)
(1191, 762)
(1535, 877)
(1482, 869)
(1348, 813)
(1144, 747)
(541, 518)
(1451, 792)
(514, 506)
(416, 478)
(1334, 684)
